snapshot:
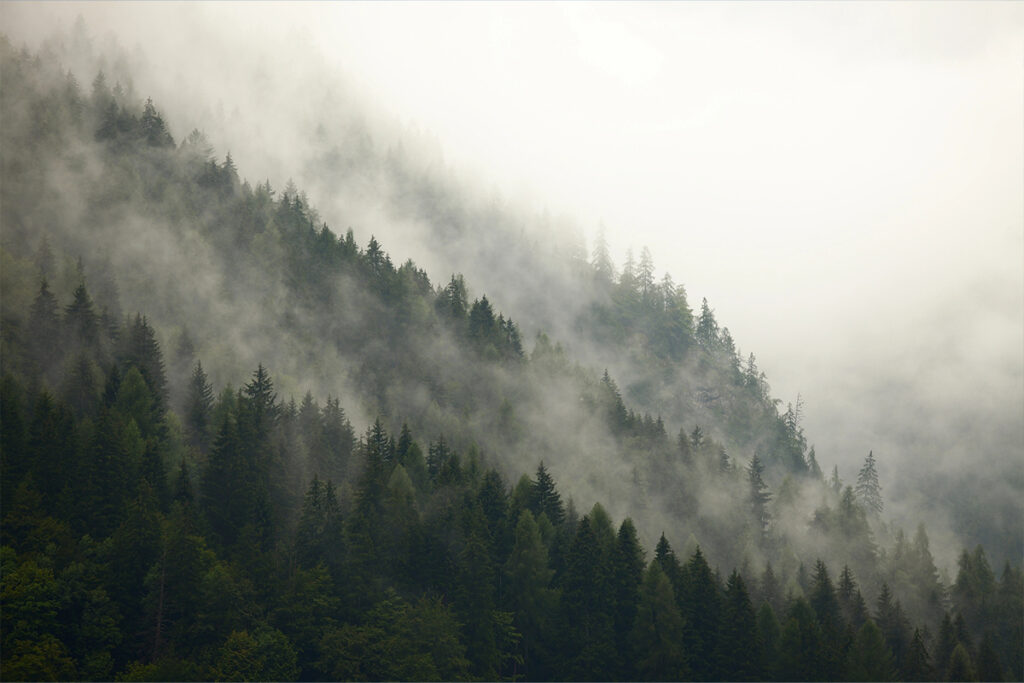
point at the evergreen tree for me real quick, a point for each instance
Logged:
(769, 634)
(530, 597)
(988, 666)
(701, 614)
(869, 658)
(627, 572)
(961, 666)
(825, 604)
(707, 328)
(658, 630)
(759, 496)
(198, 409)
(602, 262)
(800, 644)
(44, 331)
(739, 646)
(868, 490)
(80, 318)
(917, 665)
(586, 625)
(545, 498)
(143, 352)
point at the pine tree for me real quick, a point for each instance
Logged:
(800, 644)
(759, 496)
(870, 658)
(739, 647)
(529, 594)
(627, 572)
(826, 607)
(143, 352)
(702, 617)
(199, 409)
(961, 666)
(707, 328)
(602, 262)
(987, 665)
(44, 331)
(585, 622)
(80, 318)
(645, 274)
(917, 665)
(868, 490)
(658, 630)
(546, 499)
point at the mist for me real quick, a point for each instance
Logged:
(843, 183)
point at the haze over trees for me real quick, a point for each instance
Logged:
(238, 445)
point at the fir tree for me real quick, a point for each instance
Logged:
(868, 490)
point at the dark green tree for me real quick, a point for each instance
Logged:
(657, 634)
(869, 658)
(739, 646)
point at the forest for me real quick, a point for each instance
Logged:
(235, 444)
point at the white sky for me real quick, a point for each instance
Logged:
(841, 180)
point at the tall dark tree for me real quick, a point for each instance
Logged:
(529, 594)
(627, 572)
(739, 645)
(657, 635)
(80, 318)
(702, 615)
(546, 499)
(198, 409)
(587, 627)
(143, 352)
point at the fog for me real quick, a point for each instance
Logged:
(842, 182)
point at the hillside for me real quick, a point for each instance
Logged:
(228, 428)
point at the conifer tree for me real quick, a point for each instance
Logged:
(627, 572)
(917, 665)
(657, 633)
(707, 328)
(586, 623)
(80, 318)
(44, 331)
(546, 499)
(759, 495)
(868, 490)
(961, 666)
(529, 594)
(702, 618)
(869, 658)
(602, 262)
(143, 352)
(198, 409)
(739, 647)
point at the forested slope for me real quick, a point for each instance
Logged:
(185, 494)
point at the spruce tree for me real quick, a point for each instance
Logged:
(627, 572)
(198, 409)
(759, 496)
(868, 489)
(546, 499)
(870, 658)
(529, 595)
(739, 646)
(657, 633)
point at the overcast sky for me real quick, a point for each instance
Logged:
(842, 181)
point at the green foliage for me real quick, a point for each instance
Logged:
(657, 634)
(869, 658)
